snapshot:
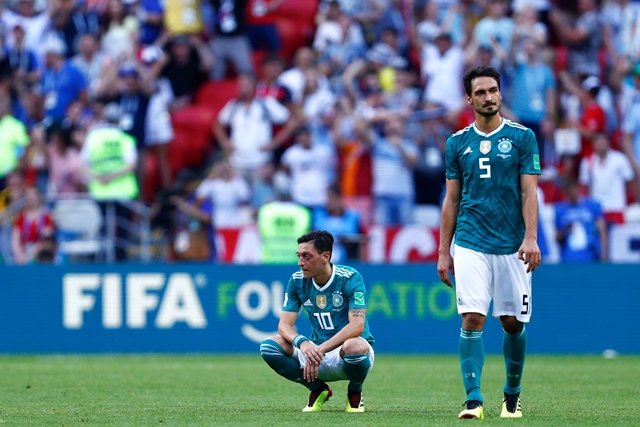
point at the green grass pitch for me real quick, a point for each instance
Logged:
(241, 390)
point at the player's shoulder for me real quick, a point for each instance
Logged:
(511, 126)
(458, 138)
(345, 271)
(297, 277)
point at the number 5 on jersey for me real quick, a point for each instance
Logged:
(483, 164)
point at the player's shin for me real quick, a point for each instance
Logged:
(279, 361)
(471, 362)
(514, 348)
(356, 366)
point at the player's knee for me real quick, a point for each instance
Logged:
(511, 325)
(272, 348)
(473, 321)
(355, 346)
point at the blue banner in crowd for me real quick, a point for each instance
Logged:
(204, 308)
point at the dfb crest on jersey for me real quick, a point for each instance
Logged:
(504, 145)
(321, 301)
(485, 146)
(337, 300)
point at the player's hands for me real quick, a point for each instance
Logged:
(314, 357)
(445, 264)
(529, 253)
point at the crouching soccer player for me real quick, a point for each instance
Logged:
(339, 347)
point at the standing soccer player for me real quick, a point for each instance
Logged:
(340, 345)
(492, 169)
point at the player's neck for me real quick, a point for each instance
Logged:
(488, 124)
(323, 277)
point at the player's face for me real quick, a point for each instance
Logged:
(485, 96)
(310, 261)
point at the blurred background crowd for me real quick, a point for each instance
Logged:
(156, 129)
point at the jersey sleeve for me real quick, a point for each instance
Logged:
(357, 293)
(529, 156)
(291, 299)
(452, 166)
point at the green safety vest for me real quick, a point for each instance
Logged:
(107, 147)
(280, 224)
(13, 139)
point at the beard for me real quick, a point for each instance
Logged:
(484, 113)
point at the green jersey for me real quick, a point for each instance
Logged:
(328, 305)
(489, 168)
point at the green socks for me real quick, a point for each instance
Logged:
(514, 347)
(284, 365)
(356, 366)
(471, 362)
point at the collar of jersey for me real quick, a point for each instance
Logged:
(329, 282)
(479, 132)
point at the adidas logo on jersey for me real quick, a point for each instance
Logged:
(467, 151)
(308, 302)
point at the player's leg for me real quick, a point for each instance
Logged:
(278, 354)
(473, 296)
(357, 356)
(512, 304)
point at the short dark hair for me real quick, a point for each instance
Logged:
(480, 71)
(322, 240)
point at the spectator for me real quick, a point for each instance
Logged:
(268, 85)
(119, 32)
(192, 231)
(64, 162)
(631, 127)
(90, 61)
(583, 37)
(250, 118)
(343, 223)
(71, 20)
(158, 127)
(62, 82)
(227, 192)
(621, 36)
(496, 26)
(606, 174)
(589, 119)
(294, 78)
(441, 68)
(150, 14)
(109, 156)
(394, 157)
(13, 142)
(31, 228)
(125, 87)
(581, 231)
(261, 25)
(12, 191)
(230, 42)
(278, 222)
(34, 161)
(35, 23)
(533, 92)
(309, 165)
(22, 60)
(186, 66)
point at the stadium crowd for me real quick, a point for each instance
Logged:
(347, 116)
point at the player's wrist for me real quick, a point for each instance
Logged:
(298, 340)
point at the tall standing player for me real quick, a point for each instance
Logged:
(492, 169)
(340, 345)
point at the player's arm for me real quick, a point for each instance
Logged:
(353, 329)
(529, 251)
(450, 206)
(287, 326)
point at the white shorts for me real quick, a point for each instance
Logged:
(481, 278)
(332, 366)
